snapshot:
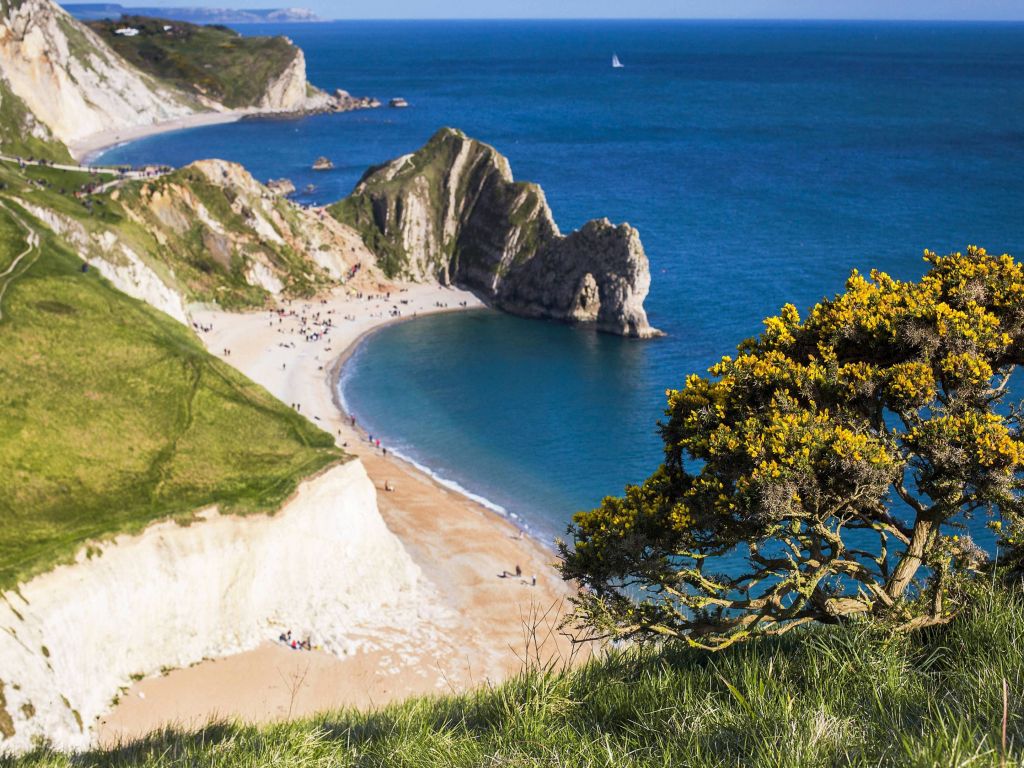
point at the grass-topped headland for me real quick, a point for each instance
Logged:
(214, 62)
(821, 697)
(112, 415)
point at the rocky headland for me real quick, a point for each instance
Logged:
(68, 82)
(453, 212)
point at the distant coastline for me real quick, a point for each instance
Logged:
(194, 15)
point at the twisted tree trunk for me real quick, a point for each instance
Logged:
(924, 528)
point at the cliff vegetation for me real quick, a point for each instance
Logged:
(213, 62)
(21, 135)
(204, 233)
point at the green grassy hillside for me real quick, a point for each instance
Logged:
(819, 698)
(112, 415)
(211, 61)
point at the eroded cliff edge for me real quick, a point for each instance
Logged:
(325, 566)
(452, 211)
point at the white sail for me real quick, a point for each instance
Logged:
(616, 64)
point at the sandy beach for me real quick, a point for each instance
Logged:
(461, 547)
(86, 149)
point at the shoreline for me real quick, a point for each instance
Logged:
(88, 148)
(453, 485)
(465, 550)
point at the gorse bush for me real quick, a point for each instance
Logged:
(833, 465)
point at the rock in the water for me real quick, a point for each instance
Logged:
(322, 164)
(453, 212)
(282, 187)
(398, 103)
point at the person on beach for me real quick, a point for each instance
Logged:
(519, 571)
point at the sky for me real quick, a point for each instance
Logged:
(958, 10)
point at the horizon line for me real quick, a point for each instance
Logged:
(802, 19)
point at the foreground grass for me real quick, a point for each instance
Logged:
(112, 415)
(823, 697)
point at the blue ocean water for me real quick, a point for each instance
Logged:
(760, 161)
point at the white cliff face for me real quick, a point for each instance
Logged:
(325, 566)
(72, 81)
(290, 91)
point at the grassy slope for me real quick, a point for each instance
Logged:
(16, 135)
(211, 61)
(823, 697)
(112, 415)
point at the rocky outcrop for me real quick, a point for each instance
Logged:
(291, 92)
(282, 187)
(453, 212)
(210, 233)
(72, 81)
(325, 566)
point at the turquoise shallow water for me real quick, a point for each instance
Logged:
(760, 161)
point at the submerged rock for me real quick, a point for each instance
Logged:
(453, 212)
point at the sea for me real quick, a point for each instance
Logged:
(761, 162)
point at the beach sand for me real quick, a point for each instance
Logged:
(87, 148)
(460, 546)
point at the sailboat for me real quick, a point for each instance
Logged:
(616, 64)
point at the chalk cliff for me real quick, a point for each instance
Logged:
(452, 211)
(206, 233)
(78, 80)
(71, 80)
(325, 566)
(291, 91)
